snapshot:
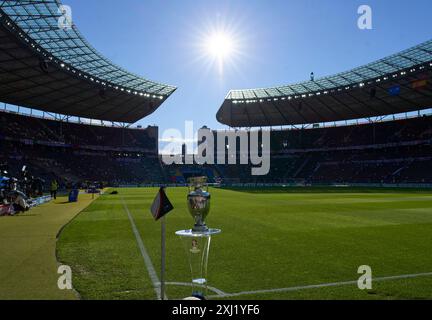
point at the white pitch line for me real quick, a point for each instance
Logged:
(323, 285)
(147, 260)
(188, 284)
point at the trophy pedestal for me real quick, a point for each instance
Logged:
(197, 246)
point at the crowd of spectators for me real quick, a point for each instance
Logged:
(77, 153)
(35, 129)
(381, 152)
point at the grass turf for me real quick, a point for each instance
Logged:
(271, 239)
(28, 264)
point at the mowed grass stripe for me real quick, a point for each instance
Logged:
(102, 251)
(278, 240)
(318, 286)
(147, 260)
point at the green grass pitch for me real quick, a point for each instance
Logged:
(274, 238)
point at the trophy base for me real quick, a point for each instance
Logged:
(192, 234)
(198, 295)
(197, 247)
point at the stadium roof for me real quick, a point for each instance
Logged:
(398, 83)
(49, 66)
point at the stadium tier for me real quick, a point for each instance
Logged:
(392, 152)
(77, 152)
(383, 152)
(46, 64)
(396, 84)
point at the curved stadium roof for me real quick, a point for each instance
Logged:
(56, 70)
(398, 83)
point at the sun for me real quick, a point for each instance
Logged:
(219, 45)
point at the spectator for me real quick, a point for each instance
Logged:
(53, 189)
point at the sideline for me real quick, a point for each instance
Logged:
(147, 260)
(28, 263)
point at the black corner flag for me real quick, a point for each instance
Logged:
(161, 205)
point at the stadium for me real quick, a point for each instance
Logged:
(349, 185)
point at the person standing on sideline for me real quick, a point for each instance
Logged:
(53, 189)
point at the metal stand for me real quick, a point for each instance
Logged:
(163, 252)
(197, 246)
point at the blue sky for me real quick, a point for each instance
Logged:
(279, 42)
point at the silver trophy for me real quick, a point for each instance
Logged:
(197, 240)
(198, 201)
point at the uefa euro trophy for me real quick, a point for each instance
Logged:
(197, 240)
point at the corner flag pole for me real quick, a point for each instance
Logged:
(159, 208)
(162, 284)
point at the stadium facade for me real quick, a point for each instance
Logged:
(52, 68)
(55, 70)
(386, 132)
(395, 84)
(48, 66)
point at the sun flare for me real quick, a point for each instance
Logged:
(220, 45)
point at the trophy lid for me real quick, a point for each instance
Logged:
(197, 182)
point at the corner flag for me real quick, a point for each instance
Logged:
(161, 205)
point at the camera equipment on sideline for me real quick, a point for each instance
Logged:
(17, 198)
(32, 187)
(16, 194)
